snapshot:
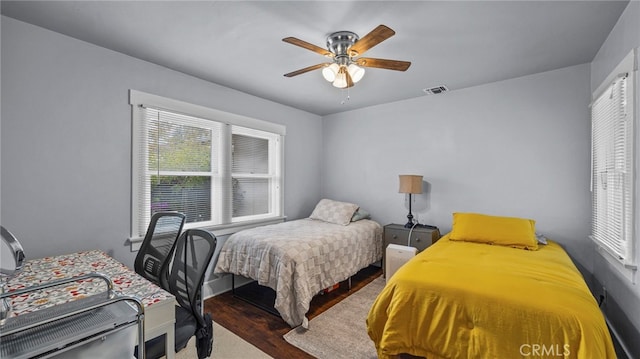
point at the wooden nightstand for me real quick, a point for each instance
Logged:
(421, 238)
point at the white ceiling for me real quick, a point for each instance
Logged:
(238, 44)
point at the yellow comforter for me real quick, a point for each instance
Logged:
(472, 300)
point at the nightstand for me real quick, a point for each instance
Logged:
(421, 238)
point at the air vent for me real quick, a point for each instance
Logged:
(435, 90)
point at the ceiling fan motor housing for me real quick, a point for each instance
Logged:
(339, 43)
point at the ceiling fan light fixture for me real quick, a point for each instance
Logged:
(345, 48)
(356, 72)
(330, 72)
(341, 79)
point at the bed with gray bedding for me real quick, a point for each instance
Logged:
(299, 258)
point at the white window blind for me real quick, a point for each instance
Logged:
(254, 172)
(214, 172)
(180, 167)
(612, 170)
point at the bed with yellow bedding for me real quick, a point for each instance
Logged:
(460, 299)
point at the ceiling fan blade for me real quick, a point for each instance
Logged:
(306, 69)
(384, 64)
(376, 36)
(308, 46)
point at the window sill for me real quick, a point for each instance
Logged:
(626, 271)
(220, 230)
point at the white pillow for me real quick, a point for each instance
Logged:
(541, 238)
(360, 214)
(334, 212)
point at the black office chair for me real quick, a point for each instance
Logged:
(159, 241)
(193, 252)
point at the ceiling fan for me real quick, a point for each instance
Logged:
(345, 47)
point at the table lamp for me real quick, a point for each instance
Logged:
(411, 184)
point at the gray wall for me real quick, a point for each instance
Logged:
(66, 139)
(625, 311)
(518, 147)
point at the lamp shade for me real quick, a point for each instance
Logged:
(356, 72)
(329, 73)
(410, 184)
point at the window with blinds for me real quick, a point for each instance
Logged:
(613, 169)
(252, 172)
(214, 172)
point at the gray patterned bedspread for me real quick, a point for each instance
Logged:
(300, 258)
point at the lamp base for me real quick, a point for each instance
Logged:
(409, 221)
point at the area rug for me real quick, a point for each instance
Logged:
(341, 331)
(226, 345)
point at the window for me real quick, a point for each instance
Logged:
(251, 176)
(217, 168)
(612, 116)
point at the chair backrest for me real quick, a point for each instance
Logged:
(158, 244)
(192, 255)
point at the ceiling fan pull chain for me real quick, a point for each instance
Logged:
(346, 98)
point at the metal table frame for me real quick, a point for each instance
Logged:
(12, 325)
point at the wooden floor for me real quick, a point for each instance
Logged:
(265, 330)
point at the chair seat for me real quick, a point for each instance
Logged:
(186, 325)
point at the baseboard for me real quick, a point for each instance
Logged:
(219, 284)
(622, 351)
(623, 332)
(213, 287)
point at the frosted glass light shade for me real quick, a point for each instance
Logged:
(329, 73)
(356, 72)
(337, 74)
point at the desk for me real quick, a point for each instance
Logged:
(158, 304)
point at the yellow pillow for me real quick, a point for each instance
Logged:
(504, 231)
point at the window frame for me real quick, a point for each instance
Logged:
(273, 175)
(628, 66)
(138, 99)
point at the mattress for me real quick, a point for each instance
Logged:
(300, 258)
(474, 300)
